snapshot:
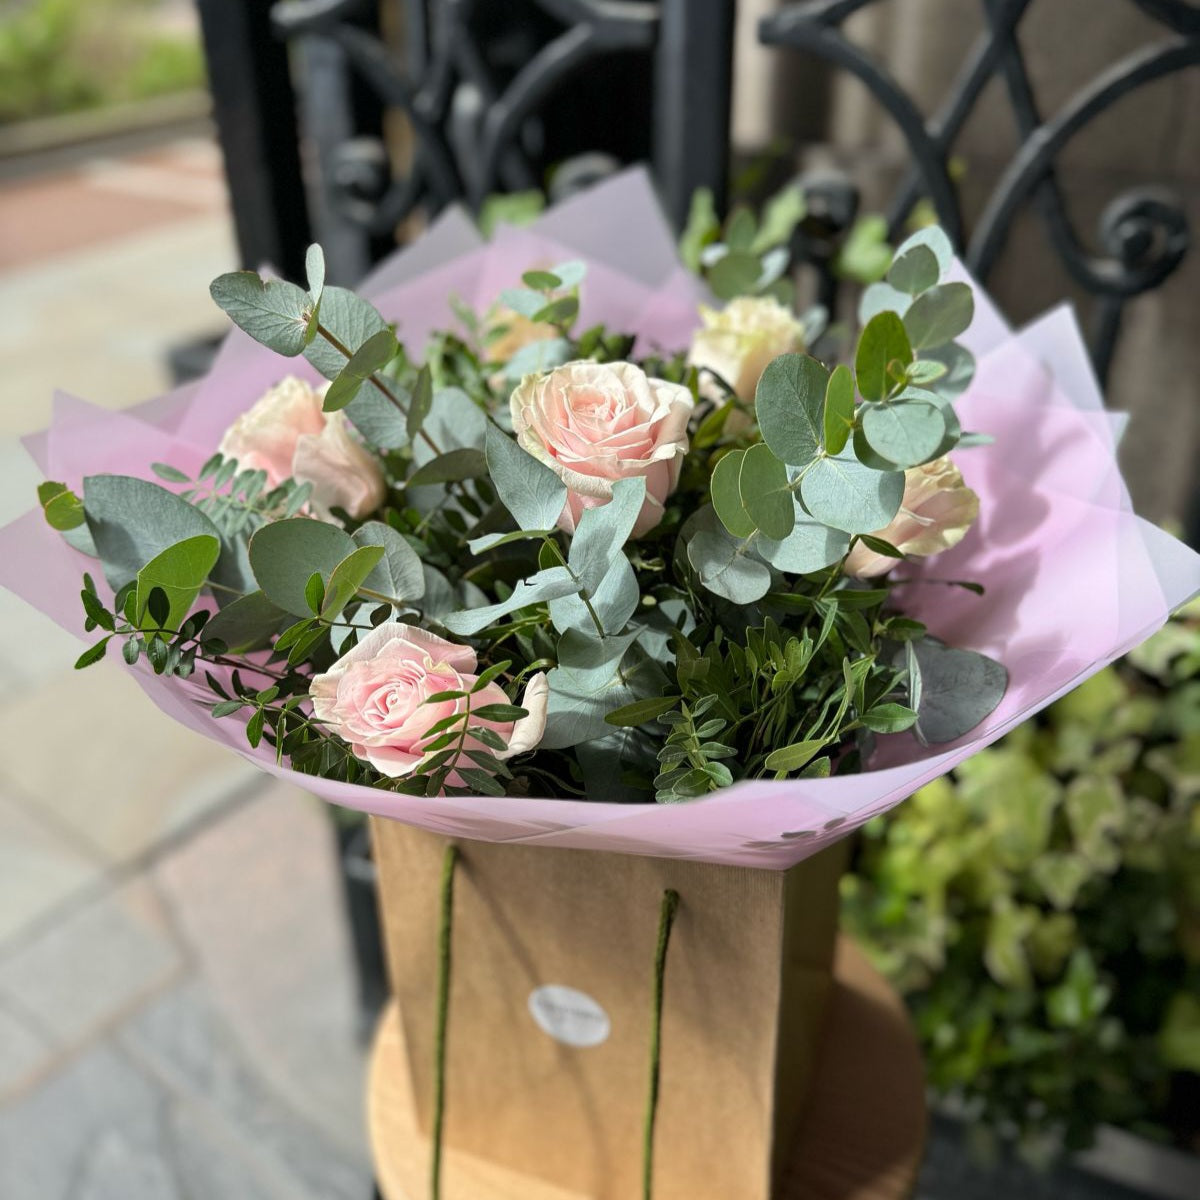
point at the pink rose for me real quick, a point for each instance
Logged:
(287, 435)
(375, 697)
(595, 423)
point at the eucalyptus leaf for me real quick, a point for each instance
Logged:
(132, 521)
(544, 586)
(725, 486)
(285, 554)
(735, 274)
(849, 496)
(450, 467)
(905, 433)
(383, 424)
(351, 321)
(914, 270)
(399, 574)
(180, 571)
(347, 577)
(604, 529)
(529, 489)
(790, 402)
(939, 315)
(537, 357)
(958, 689)
(839, 409)
(314, 270)
(882, 297)
(811, 546)
(420, 403)
(882, 343)
(932, 238)
(614, 600)
(524, 301)
(960, 369)
(274, 313)
(766, 497)
(726, 570)
(248, 623)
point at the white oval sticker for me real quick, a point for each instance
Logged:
(568, 1015)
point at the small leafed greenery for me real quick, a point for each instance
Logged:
(1040, 909)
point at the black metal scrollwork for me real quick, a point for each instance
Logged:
(1144, 234)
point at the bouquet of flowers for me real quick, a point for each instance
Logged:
(539, 543)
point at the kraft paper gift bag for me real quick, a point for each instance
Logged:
(551, 999)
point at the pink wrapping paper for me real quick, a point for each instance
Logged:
(1074, 578)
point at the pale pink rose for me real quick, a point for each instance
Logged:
(738, 341)
(286, 434)
(374, 697)
(935, 514)
(595, 423)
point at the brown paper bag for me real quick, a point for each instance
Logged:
(554, 1082)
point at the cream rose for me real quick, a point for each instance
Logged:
(286, 434)
(375, 697)
(738, 341)
(935, 514)
(595, 423)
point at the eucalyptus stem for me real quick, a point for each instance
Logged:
(583, 595)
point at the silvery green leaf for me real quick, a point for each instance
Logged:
(734, 274)
(656, 624)
(882, 343)
(615, 599)
(400, 574)
(314, 270)
(790, 402)
(914, 270)
(381, 422)
(810, 547)
(766, 497)
(440, 597)
(602, 531)
(522, 300)
(727, 494)
(925, 371)
(351, 320)
(606, 760)
(905, 433)
(489, 541)
(849, 496)
(939, 315)
(571, 273)
(932, 238)
(537, 357)
(273, 312)
(545, 585)
(284, 555)
(532, 492)
(774, 263)
(420, 403)
(590, 660)
(882, 297)
(726, 570)
(132, 521)
(584, 687)
(957, 690)
(960, 369)
(455, 421)
(360, 620)
(248, 623)
(451, 467)
(839, 409)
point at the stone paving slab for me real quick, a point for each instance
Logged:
(93, 965)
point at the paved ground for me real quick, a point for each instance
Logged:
(176, 1008)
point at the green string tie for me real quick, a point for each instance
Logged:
(449, 861)
(666, 918)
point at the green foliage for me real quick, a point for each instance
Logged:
(1039, 908)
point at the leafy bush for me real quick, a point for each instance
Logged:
(1040, 909)
(63, 55)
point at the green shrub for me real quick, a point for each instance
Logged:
(1040, 908)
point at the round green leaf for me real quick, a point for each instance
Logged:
(914, 271)
(933, 238)
(810, 547)
(839, 409)
(905, 433)
(939, 315)
(726, 570)
(285, 554)
(727, 495)
(883, 341)
(790, 403)
(960, 369)
(274, 313)
(851, 497)
(766, 498)
(734, 274)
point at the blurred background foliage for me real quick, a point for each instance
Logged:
(59, 56)
(1066, 861)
